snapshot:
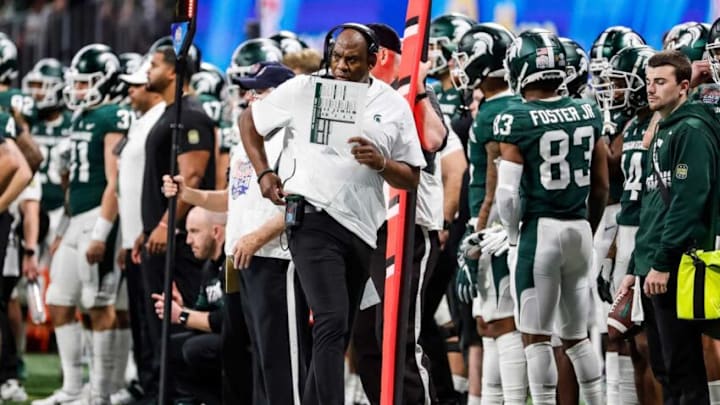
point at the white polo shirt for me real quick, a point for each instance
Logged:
(131, 168)
(349, 192)
(248, 210)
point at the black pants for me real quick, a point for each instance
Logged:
(236, 356)
(332, 264)
(8, 348)
(196, 358)
(368, 331)
(676, 351)
(187, 277)
(142, 345)
(9, 357)
(265, 289)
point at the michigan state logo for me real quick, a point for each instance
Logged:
(240, 178)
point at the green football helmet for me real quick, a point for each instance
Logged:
(209, 80)
(608, 44)
(45, 83)
(96, 68)
(249, 54)
(480, 54)
(689, 38)
(622, 84)
(577, 68)
(535, 56)
(713, 50)
(289, 42)
(8, 59)
(445, 33)
(129, 63)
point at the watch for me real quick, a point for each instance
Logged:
(29, 252)
(446, 225)
(183, 318)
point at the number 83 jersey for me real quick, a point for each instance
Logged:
(556, 138)
(87, 169)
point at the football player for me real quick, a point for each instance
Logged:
(445, 32)
(626, 75)
(208, 85)
(83, 272)
(45, 83)
(553, 146)
(479, 59)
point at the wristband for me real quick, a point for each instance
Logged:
(101, 230)
(263, 173)
(420, 96)
(183, 317)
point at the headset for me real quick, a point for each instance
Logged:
(367, 33)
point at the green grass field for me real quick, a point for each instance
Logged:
(43, 375)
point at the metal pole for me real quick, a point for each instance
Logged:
(170, 253)
(183, 32)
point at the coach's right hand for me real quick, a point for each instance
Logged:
(173, 186)
(272, 188)
(627, 283)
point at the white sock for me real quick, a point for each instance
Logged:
(513, 368)
(628, 392)
(121, 350)
(460, 383)
(612, 377)
(68, 339)
(542, 373)
(103, 356)
(587, 369)
(491, 382)
(714, 388)
(474, 400)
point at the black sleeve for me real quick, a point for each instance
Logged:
(215, 319)
(198, 132)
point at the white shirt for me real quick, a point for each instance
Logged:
(131, 168)
(429, 211)
(349, 192)
(248, 210)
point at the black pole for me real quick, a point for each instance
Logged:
(170, 253)
(184, 13)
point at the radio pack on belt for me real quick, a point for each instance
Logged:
(294, 211)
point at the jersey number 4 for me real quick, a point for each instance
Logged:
(557, 159)
(633, 174)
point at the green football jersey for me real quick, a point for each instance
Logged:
(16, 100)
(7, 126)
(556, 138)
(620, 119)
(480, 134)
(48, 135)
(212, 107)
(632, 163)
(87, 170)
(450, 100)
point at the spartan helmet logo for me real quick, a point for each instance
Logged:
(203, 82)
(583, 66)
(688, 37)
(272, 53)
(289, 45)
(9, 51)
(461, 27)
(483, 44)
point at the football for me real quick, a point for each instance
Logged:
(620, 326)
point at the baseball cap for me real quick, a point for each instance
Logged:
(267, 75)
(139, 76)
(387, 37)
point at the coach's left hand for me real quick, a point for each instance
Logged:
(656, 282)
(95, 252)
(367, 154)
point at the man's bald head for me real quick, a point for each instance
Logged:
(349, 59)
(205, 231)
